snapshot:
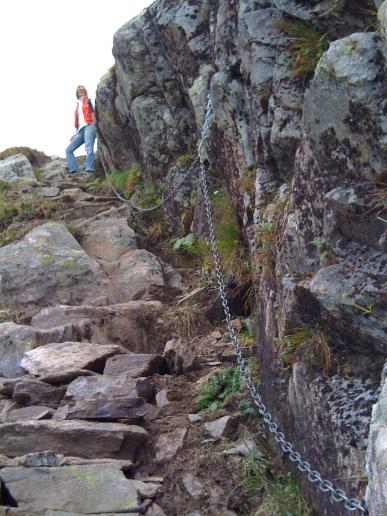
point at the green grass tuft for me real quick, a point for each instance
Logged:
(306, 46)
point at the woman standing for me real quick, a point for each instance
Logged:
(84, 124)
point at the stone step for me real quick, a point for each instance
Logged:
(77, 438)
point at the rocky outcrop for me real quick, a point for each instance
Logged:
(311, 147)
(63, 423)
(74, 489)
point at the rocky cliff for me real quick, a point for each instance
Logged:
(298, 139)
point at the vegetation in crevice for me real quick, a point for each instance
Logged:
(186, 321)
(312, 341)
(306, 46)
(275, 494)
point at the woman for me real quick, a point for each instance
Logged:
(84, 124)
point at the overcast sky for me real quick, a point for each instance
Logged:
(47, 48)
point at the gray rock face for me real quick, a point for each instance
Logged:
(72, 488)
(377, 455)
(17, 169)
(147, 104)
(48, 266)
(350, 294)
(74, 438)
(322, 137)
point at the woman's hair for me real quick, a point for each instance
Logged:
(77, 94)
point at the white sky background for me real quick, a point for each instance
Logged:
(47, 48)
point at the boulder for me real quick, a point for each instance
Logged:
(162, 398)
(67, 358)
(194, 487)
(76, 438)
(48, 266)
(108, 239)
(225, 426)
(169, 444)
(17, 169)
(74, 489)
(135, 365)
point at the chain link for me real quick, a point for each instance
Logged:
(337, 495)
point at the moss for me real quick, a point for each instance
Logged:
(68, 263)
(31, 344)
(46, 260)
(87, 476)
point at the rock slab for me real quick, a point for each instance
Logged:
(80, 489)
(75, 438)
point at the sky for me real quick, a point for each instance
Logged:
(48, 48)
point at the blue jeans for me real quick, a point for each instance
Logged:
(85, 135)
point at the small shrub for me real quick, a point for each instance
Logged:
(266, 235)
(247, 181)
(125, 182)
(274, 494)
(187, 321)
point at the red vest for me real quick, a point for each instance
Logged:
(87, 113)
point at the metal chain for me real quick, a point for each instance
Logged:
(337, 495)
(130, 202)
